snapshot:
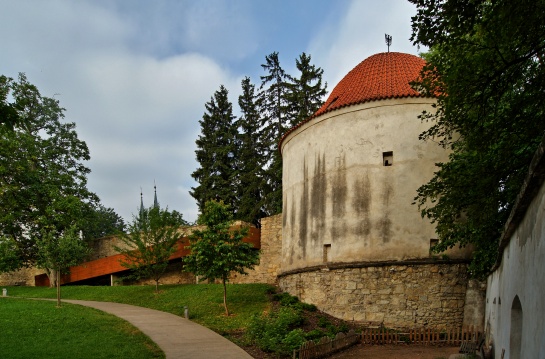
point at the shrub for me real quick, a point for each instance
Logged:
(269, 331)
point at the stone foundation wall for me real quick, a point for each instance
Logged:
(397, 296)
(271, 254)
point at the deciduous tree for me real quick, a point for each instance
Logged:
(485, 65)
(150, 240)
(57, 252)
(43, 179)
(217, 250)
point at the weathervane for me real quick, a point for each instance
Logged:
(388, 39)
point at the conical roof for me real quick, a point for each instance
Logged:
(381, 76)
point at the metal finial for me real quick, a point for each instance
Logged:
(388, 39)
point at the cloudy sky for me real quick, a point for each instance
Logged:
(134, 75)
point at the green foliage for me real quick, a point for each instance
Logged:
(216, 148)
(486, 68)
(10, 259)
(249, 157)
(74, 331)
(60, 252)
(43, 182)
(269, 331)
(150, 241)
(239, 159)
(306, 92)
(101, 222)
(217, 250)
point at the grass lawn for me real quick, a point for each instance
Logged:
(38, 329)
(205, 301)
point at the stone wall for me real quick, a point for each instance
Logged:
(397, 296)
(24, 276)
(271, 252)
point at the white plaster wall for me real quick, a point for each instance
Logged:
(522, 273)
(338, 192)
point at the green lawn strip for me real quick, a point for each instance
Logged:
(205, 301)
(38, 329)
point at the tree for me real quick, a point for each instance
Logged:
(8, 113)
(306, 93)
(275, 122)
(43, 181)
(59, 252)
(101, 222)
(485, 66)
(215, 152)
(218, 250)
(249, 157)
(150, 241)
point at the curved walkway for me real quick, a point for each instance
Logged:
(176, 336)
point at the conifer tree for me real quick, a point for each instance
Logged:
(249, 157)
(306, 93)
(274, 89)
(216, 147)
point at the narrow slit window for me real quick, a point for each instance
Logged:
(433, 243)
(387, 158)
(327, 249)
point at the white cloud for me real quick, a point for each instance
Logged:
(340, 46)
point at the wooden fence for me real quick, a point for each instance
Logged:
(326, 346)
(419, 336)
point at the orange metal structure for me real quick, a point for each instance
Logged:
(112, 264)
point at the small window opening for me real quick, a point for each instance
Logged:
(433, 243)
(387, 158)
(327, 249)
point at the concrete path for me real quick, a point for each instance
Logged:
(176, 336)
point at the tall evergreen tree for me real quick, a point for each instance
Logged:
(274, 89)
(216, 147)
(306, 93)
(250, 156)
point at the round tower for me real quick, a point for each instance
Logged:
(350, 175)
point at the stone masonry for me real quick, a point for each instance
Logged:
(271, 251)
(396, 296)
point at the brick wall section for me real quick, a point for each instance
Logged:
(271, 254)
(398, 296)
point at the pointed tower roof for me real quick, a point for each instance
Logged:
(155, 202)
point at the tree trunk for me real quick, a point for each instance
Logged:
(52, 274)
(225, 297)
(58, 288)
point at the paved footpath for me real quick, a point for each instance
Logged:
(176, 336)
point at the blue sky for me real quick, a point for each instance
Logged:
(134, 75)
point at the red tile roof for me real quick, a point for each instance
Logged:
(382, 76)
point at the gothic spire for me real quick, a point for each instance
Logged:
(155, 202)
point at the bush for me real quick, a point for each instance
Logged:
(270, 331)
(293, 341)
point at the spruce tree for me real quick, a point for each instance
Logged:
(306, 93)
(249, 156)
(274, 89)
(216, 147)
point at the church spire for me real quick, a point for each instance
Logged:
(155, 202)
(141, 203)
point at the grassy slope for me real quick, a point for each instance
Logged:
(38, 329)
(205, 301)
